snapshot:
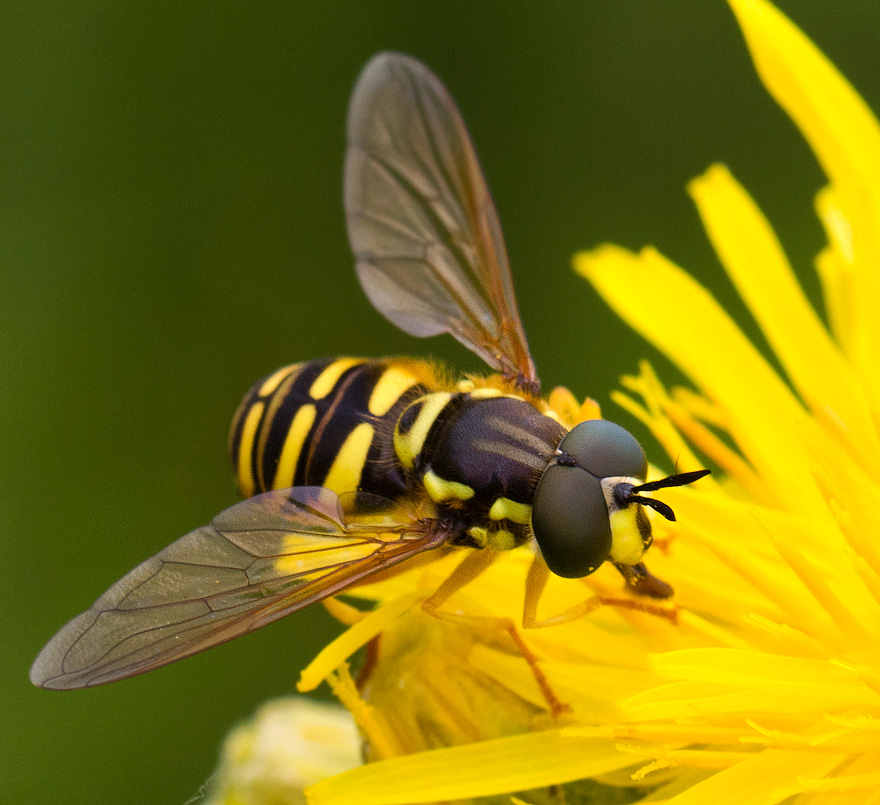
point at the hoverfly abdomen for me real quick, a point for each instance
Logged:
(325, 423)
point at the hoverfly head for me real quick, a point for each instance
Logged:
(583, 512)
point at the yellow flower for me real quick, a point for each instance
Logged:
(766, 687)
(781, 562)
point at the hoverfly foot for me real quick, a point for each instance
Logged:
(642, 582)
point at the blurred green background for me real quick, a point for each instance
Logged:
(171, 229)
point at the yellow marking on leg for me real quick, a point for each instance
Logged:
(442, 490)
(345, 472)
(393, 383)
(246, 447)
(293, 445)
(502, 540)
(273, 381)
(536, 581)
(408, 445)
(327, 380)
(479, 535)
(507, 509)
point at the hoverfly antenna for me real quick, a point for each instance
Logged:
(681, 479)
(628, 493)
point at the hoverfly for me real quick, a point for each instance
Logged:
(490, 460)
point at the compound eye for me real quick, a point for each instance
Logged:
(605, 450)
(570, 521)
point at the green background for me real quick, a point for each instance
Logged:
(171, 229)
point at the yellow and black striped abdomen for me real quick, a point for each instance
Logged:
(326, 423)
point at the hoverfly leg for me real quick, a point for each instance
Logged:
(537, 579)
(471, 567)
(475, 563)
(643, 582)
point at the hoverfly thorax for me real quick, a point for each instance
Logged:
(479, 455)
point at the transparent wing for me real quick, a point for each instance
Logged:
(254, 563)
(422, 225)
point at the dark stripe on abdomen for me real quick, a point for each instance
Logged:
(306, 418)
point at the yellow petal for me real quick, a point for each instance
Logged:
(816, 682)
(861, 778)
(844, 135)
(357, 636)
(837, 123)
(765, 779)
(754, 259)
(834, 265)
(651, 294)
(594, 702)
(483, 769)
